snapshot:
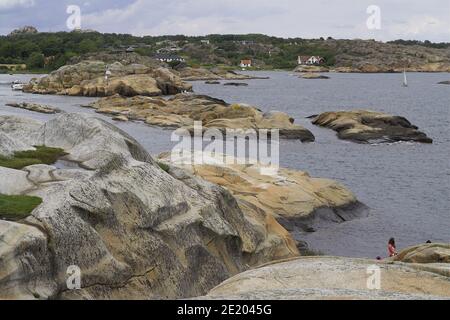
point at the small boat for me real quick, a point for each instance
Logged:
(405, 81)
(17, 86)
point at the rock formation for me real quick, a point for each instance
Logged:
(182, 110)
(236, 84)
(134, 230)
(35, 107)
(292, 198)
(366, 126)
(313, 69)
(23, 30)
(312, 75)
(333, 278)
(444, 82)
(87, 78)
(432, 257)
(202, 74)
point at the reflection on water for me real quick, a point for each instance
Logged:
(406, 185)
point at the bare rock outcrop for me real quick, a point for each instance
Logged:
(202, 74)
(367, 126)
(333, 278)
(87, 78)
(183, 109)
(313, 76)
(292, 198)
(134, 230)
(34, 107)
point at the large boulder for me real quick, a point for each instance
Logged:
(293, 198)
(134, 230)
(432, 257)
(87, 78)
(332, 278)
(426, 253)
(183, 109)
(369, 126)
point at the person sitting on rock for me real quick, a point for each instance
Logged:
(392, 250)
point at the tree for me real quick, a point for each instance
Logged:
(35, 61)
(87, 45)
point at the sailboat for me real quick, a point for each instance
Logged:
(405, 81)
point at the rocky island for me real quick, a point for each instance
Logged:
(87, 78)
(183, 109)
(366, 126)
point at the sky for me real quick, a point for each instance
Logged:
(398, 19)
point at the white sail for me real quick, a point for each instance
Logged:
(405, 81)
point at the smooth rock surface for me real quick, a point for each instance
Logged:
(332, 278)
(293, 198)
(134, 230)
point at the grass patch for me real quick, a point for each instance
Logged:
(16, 208)
(163, 166)
(42, 155)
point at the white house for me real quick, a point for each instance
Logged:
(246, 63)
(310, 60)
(169, 58)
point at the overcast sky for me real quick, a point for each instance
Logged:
(406, 19)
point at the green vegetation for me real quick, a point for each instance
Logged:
(163, 166)
(45, 52)
(42, 155)
(15, 208)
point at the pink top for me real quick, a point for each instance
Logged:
(392, 251)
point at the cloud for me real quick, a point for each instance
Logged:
(13, 4)
(286, 18)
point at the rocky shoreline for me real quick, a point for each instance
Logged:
(182, 110)
(34, 107)
(87, 78)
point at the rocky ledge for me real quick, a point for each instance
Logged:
(135, 228)
(313, 75)
(342, 278)
(183, 109)
(202, 74)
(313, 69)
(87, 78)
(366, 126)
(444, 82)
(292, 198)
(34, 107)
